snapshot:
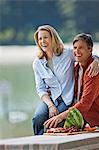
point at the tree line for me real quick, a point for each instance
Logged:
(20, 18)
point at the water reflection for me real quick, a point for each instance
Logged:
(18, 100)
(17, 117)
(5, 94)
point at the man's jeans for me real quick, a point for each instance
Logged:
(42, 114)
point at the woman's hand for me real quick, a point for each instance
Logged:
(53, 122)
(53, 111)
(52, 108)
(94, 68)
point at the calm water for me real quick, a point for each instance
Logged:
(18, 98)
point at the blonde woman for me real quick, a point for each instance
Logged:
(54, 77)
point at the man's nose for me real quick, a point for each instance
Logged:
(77, 50)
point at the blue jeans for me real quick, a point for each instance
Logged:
(42, 114)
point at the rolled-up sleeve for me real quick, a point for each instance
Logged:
(40, 84)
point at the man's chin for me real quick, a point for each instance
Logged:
(78, 59)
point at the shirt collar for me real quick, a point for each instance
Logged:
(44, 61)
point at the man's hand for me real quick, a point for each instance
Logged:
(53, 111)
(53, 122)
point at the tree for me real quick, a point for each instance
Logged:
(80, 16)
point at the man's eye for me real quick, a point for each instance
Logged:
(75, 47)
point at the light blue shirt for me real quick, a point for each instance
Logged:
(60, 81)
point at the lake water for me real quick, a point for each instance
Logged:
(18, 98)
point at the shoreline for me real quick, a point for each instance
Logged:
(16, 54)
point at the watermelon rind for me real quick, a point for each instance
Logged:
(74, 118)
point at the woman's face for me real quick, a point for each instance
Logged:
(45, 41)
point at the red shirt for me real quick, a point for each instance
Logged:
(89, 98)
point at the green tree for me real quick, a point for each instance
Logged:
(79, 16)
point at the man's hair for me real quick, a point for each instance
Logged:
(85, 37)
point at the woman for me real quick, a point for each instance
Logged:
(53, 69)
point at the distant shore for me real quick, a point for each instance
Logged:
(10, 55)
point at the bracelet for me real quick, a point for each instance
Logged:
(50, 106)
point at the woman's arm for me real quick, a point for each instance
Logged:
(94, 67)
(53, 111)
(43, 92)
(47, 100)
(40, 84)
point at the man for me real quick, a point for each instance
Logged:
(86, 88)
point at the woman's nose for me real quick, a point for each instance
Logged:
(43, 40)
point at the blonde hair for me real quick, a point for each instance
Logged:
(57, 43)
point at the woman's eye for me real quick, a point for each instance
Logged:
(40, 39)
(46, 37)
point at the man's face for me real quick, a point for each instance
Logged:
(81, 51)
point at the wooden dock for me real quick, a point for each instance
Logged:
(85, 141)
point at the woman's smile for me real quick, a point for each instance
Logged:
(44, 40)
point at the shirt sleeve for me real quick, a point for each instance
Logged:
(90, 93)
(95, 57)
(40, 84)
(72, 55)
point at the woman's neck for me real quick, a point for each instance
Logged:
(49, 55)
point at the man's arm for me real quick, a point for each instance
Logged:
(90, 92)
(54, 121)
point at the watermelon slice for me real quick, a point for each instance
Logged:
(74, 118)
